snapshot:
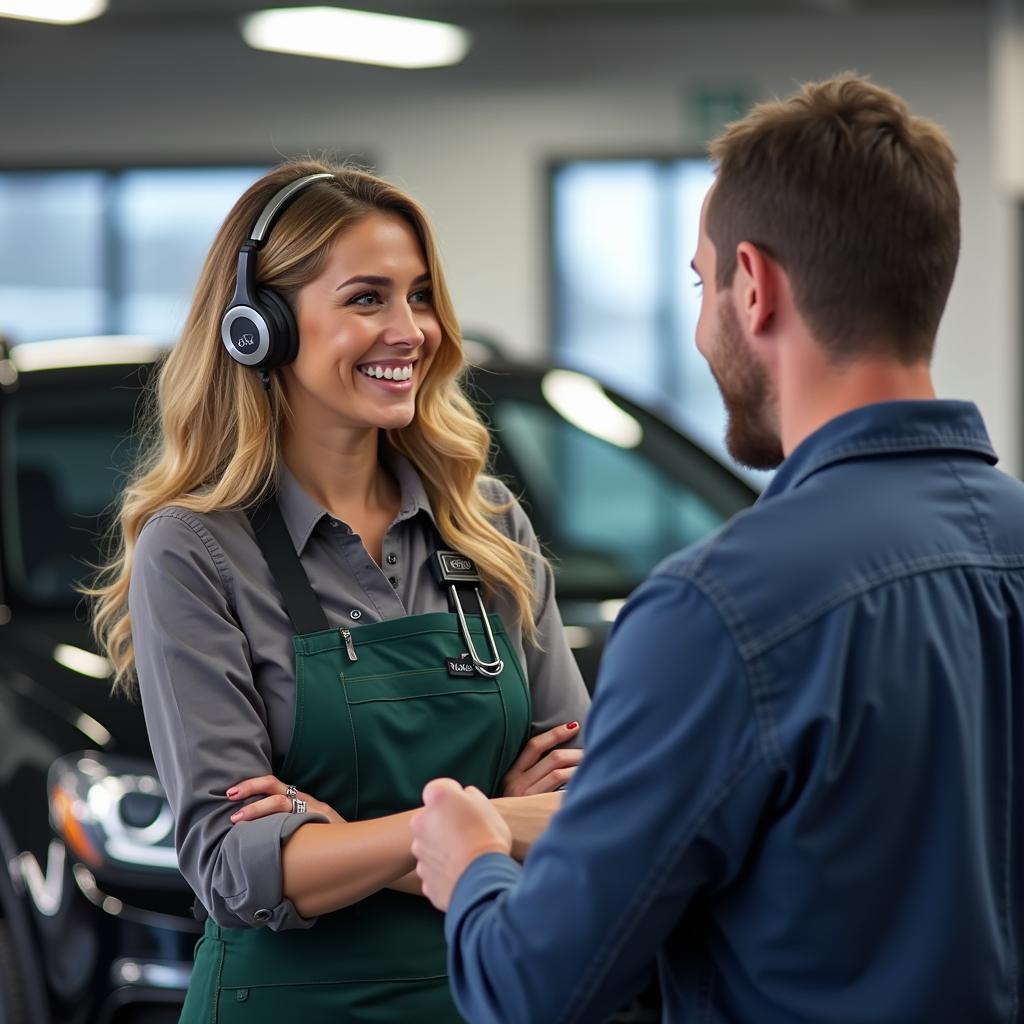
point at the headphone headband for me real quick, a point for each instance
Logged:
(278, 201)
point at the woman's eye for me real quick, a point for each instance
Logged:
(363, 299)
(423, 296)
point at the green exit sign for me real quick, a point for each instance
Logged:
(710, 108)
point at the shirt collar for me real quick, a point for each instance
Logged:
(886, 428)
(302, 513)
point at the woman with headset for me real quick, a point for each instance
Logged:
(326, 604)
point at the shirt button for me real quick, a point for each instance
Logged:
(355, 613)
(393, 580)
(391, 559)
(261, 916)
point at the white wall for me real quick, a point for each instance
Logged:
(472, 143)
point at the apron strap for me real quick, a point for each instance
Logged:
(272, 536)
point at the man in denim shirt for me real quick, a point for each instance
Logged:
(801, 788)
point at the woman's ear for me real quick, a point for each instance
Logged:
(756, 287)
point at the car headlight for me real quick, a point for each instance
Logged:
(111, 811)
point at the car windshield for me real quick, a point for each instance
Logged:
(65, 456)
(609, 514)
(611, 489)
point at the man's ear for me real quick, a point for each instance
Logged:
(757, 287)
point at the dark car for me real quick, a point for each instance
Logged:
(95, 921)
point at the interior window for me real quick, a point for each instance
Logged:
(52, 270)
(624, 305)
(164, 221)
(107, 252)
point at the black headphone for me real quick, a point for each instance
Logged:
(258, 328)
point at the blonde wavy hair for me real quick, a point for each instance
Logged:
(213, 435)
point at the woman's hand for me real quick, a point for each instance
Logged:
(540, 768)
(275, 800)
(527, 817)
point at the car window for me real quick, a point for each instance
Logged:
(64, 458)
(608, 513)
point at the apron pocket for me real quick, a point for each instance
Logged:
(413, 726)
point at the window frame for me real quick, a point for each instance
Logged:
(110, 171)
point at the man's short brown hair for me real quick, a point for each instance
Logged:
(856, 199)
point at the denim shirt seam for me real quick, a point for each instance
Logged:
(893, 446)
(857, 588)
(758, 677)
(648, 891)
(982, 529)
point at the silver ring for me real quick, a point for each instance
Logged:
(298, 806)
(290, 792)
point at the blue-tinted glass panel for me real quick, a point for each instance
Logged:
(165, 221)
(625, 306)
(51, 254)
(606, 271)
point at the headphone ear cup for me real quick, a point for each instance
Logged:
(284, 335)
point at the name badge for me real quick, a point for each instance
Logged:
(460, 666)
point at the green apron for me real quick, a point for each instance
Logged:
(379, 711)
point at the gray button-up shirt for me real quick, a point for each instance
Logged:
(216, 671)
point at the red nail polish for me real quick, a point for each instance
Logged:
(573, 725)
(233, 792)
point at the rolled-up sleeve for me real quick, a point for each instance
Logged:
(661, 810)
(206, 722)
(557, 691)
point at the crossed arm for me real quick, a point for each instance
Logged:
(329, 865)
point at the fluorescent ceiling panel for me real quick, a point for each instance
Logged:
(358, 36)
(54, 12)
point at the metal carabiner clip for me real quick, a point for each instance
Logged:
(452, 569)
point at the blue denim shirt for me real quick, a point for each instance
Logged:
(801, 787)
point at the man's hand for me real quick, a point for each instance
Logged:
(455, 827)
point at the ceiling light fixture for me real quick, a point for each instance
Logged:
(53, 12)
(358, 36)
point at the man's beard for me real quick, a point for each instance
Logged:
(752, 434)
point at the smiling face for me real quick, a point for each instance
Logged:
(367, 331)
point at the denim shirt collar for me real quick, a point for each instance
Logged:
(886, 428)
(302, 513)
